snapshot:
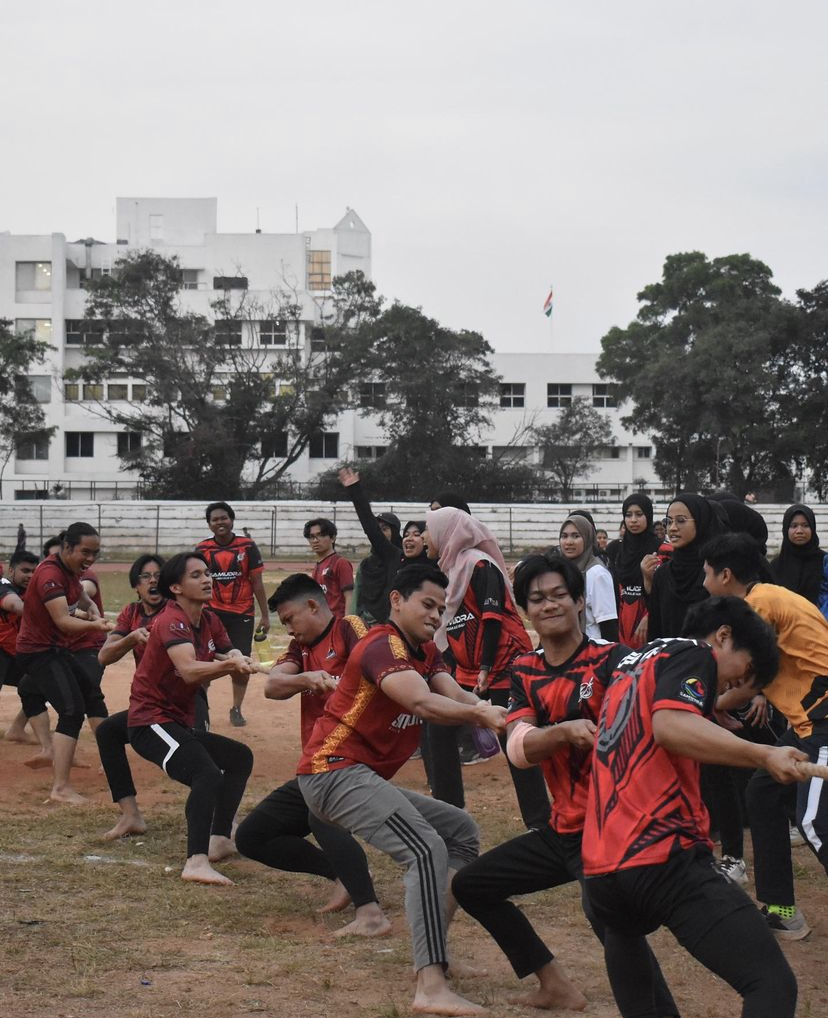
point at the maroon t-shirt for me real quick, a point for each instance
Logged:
(158, 692)
(335, 575)
(93, 639)
(50, 580)
(9, 620)
(133, 616)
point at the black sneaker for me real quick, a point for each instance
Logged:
(786, 923)
(236, 719)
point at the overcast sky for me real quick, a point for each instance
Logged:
(490, 152)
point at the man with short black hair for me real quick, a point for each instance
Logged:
(333, 573)
(394, 679)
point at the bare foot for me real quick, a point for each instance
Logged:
(20, 735)
(556, 990)
(220, 848)
(69, 796)
(370, 921)
(444, 1001)
(198, 870)
(338, 900)
(36, 762)
(463, 970)
(126, 825)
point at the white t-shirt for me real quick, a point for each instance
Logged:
(599, 600)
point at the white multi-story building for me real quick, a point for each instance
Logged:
(42, 288)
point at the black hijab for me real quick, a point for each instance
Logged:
(686, 565)
(799, 567)
(633, 547)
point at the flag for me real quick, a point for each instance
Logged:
(547, 304)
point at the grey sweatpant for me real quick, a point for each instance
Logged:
(425, 835)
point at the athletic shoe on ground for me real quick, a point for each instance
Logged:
(796, 837)
(236, 719)
(469, 757)
(732, 869)
(787, 922)
(417, 754)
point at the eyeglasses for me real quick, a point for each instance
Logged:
(149, 576)
(680, 521)
(556, 597)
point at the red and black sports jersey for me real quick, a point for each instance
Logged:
(329, 653)
(133, 616)
(360, 724)
(49, 581)
(645, 802)
(632, 610)
(545, 694)
(231, 566)
(9, 620)
(93, 639)
(158, 692)
(335, 575)
(486, 598)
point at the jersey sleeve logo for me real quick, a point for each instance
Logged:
(693, 691)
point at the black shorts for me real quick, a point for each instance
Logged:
(10, 670)
(56, 676)
(239, 629)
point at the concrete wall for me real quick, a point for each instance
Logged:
(128, 528)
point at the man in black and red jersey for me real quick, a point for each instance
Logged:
(22, 565)
(394, 679)
(275, 832)
(236, 567)
(187, 647)
(333, 573)
(646, 849)
(556, 696)
(53, 675)
(131, 633)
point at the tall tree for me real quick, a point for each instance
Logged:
(570, 445)
(805, 400)
(703, 368)
(220, 416)
(21, 416)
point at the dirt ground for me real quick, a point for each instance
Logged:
(91, 929)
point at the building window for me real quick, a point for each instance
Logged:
(372, 395)
(117, 390)
(512, 453)
(272, 332)
(33, 275)
(94, 274)
(93, 391)
(558, 394)
(643, 452)
(513, 395)
(33, 447)
(610, 452)
(189, 279)
(80, 331)
(71, 392)
(466, 395)
(477, 452)
(319, 270)
(139, 392)
(324, 445)
(80, 443)
(229, 332)
(156, 227)
(129, 442)
(219, 393)
(370, 452)
(41, 387)
(275, 446)
(603, 396)
(229, 282)
(317, 339)
(41, 327)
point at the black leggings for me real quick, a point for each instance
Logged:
(215, 768)
(275, 834)
(55, 676)
(711, 918)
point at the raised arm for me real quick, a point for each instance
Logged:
(349, 479)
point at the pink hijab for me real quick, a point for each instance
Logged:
(461, 542)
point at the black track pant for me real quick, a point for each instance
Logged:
(275, 834)
(711, 918)
(214, 767)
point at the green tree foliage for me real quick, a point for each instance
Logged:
(220, 417)
(805, 400)
(570, 445)
(21, 415)
(704, 368)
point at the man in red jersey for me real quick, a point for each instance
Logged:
(22, 565)
(395, 679)
(131, 633)
(275, 832)
(646, 849)
(52, 674)
(188, 647)
(236, 567)
(557, 693)
(333, 573)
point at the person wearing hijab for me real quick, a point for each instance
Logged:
(801, 565)
(481, 628)
(639, 540)
(577, 543)
(446, 499)
(679, 583)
